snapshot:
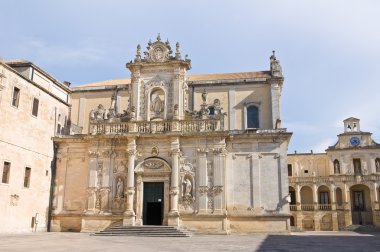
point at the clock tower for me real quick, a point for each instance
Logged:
(353, 137)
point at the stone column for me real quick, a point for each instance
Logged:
(333, 200)
(375, 200)
(347, 205)
(202, 180)
(139, 195)
(174, 188)
(315, 196)
(129, 214)
(298, 197)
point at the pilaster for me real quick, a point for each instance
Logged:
(202, 180)
(219, 178)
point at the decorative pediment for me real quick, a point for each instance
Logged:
(156, 81)
(153, 165)
(158, 51)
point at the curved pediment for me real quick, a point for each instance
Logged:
(153, 165)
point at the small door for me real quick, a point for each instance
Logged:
(153, 203)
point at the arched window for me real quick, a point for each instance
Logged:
(252, 117)
(336, 167)
(377, 164)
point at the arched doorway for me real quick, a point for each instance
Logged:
(361, 205)
(152, 194)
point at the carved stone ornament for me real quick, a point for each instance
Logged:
(153, 164)
(14, 199)
(158, 51)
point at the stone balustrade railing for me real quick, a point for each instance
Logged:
(152, 127)
(312, 207)
(307, 207)
(334, 178)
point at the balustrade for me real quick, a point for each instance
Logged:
(152, 127)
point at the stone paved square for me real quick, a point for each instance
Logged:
(305, 241)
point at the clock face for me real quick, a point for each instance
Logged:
(354, 141)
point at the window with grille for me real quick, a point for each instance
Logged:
(15, 97)
(6, 171)
(35, 107)
(28, 171)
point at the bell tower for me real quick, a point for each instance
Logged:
(158, 81)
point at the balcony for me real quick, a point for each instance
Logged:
(312, 207)
(307, 207)
(156, 127)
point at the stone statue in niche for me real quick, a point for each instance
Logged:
(187, 188)
(120, 188)
(157, 105)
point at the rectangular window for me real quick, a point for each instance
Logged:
(35, 107)
(15, 97)
(290, 170)
(27, 176)
(357, 166)
(6, 171)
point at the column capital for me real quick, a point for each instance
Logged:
(202, 150)
(174, 152)
(132, 152)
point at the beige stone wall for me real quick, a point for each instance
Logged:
(235, 98)
(84, 102)
(308, 165)
(25, 141)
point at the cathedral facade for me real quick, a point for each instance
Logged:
(205, 152)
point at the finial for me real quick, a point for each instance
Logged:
(177, 52)
(158, 37)
(150, 42)
(273, 56)
(138, 53)
(167, 42)
(138, 49)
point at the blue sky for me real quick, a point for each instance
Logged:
(329, 50)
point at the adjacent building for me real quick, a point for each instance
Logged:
(339, 188)
(34, 107)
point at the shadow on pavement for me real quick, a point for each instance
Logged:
(320, 243)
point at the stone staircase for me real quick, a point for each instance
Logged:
(148, 231)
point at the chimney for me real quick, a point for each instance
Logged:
(67, 83)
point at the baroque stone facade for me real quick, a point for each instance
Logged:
(206, 152)
(339, 188)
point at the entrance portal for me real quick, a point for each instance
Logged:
(153, 203)
(360, 205)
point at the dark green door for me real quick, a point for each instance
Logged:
(153, 203)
